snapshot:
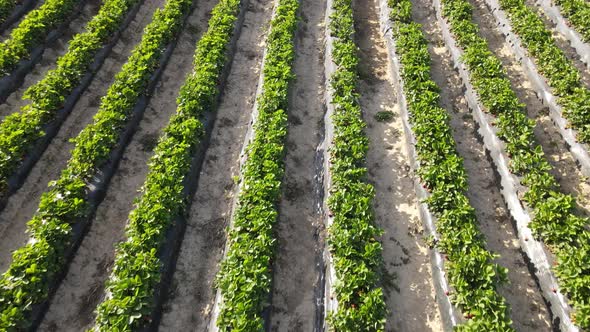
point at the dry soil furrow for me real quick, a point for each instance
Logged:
(192, 290)
(560, 23)
(5, 32)
(21, 9)
(50, 54)
(564, 166)
(299, 229)
(73, 304)
(528, 309)
(407, 282)
(22, 205)
(562, 43)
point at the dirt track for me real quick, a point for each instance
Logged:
(297, 267)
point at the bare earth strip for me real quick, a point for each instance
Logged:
(192, 291)
(23, 204)
(562, 43)
(529, 311)
(299, 227)
(408, 281)
(58, 48)
(6, 31)
(564, 166)
(82, 289)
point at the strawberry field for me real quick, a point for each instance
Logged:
(294, 165)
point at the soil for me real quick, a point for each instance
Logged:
(565, 169)
(48, 60)
(299, 229)
(22, 205)
(296, 300)
(6, 32)
(73, 306)
(409, 288)
(528, 310)
(202, 247)
(562, 43)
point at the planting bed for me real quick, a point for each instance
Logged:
(294, 165)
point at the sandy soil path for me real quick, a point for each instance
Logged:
(299, 228)
(73, 306)
(192, 291)
(22, 205)
(407, 281)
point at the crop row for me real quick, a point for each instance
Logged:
(578, 14)
(352, 236)
(561, 75)
(553, 220)
(471, 268)
(32, 31)
(245, 275)
(6, 7)
(65, 205)
(136, 271)
(21, 130)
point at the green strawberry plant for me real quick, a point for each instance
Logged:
(471, 270)
(562, 76)
(244, 279)
(6, 7)
(553, 213)
(32, 31)
(35, 266)
(20, 130)
(578, 14)
(352, 237)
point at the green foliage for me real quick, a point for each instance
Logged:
(352, 237)
(553, 220)
(35, 265)
(32, 30)
(384, 116)
(245, 275)
(6, 7)
(552, 62)
(136, 271)
(578, 14)
(471, 269)
(20, 130)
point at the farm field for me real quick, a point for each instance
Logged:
(295, 165)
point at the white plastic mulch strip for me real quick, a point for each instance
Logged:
(243, 157)
(510, 186)
(449, 312)
(578, 150)
(575, 39)
(330, 302)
